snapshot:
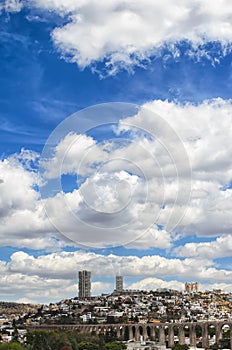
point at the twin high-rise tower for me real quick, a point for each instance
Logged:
(84, 285)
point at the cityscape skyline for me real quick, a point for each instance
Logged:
(162, 317)
(84, 285)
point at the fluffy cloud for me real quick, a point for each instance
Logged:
(14, 180)
(219, 248)
(205, 133)
(23, 221)
(126, 33)
(68, 156)
(98, 288)
(16, 285)
(119, 197)
(133, 191)
(66, 264)
(156, 283)
(145, 178)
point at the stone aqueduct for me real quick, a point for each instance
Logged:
(162, 333)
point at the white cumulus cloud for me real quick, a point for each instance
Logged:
(128, 186)
(125, 33)
(219, 248)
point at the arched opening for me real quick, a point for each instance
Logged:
(126, 333)
(225, 342)
(156, 334)
(176, 334)
(120, 332)
(110, 334)
(133, 332)
(198, 330)
(166, 331)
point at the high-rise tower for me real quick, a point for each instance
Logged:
(119, 283)
(84, 285)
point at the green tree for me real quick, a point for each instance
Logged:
(115, 346)
(38, 340)
(224, 343)
(15, 335)
(211, 331)
(58, 340)
(11, 346)
(85, 345)
(110, 336)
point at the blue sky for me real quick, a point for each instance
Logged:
(57, 59)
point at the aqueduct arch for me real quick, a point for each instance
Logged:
(154, 331)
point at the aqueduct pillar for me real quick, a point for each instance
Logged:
(170, 336)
